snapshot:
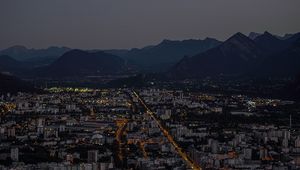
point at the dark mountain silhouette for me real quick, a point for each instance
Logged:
(237, 55)
(285, 63)
(8, 64)
(285, 36)
(266, 54)
(270, 43)
(10, 84)
(117, 52)
(291, 90)
(253, 35)
(165, 54)
(22, 53)
(39, 61)
(293, 39)
(295, 88)
(81, 63)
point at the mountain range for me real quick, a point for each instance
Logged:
(154, 58)
(22, 53)
(257, 54)
(284, 63)
(253, 35)
(76, 63)
(239, 55)
(162, 56)
(270, 43)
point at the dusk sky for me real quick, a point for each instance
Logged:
(105, 24)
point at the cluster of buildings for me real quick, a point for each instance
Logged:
(230, 131)
(60, 130)
(93, 129)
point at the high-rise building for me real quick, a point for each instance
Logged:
(285, 143)
(11, 132)
(248, 153)
(14, 154)
(40, 130)
(2, 132)
(214, 146)
(297, 142)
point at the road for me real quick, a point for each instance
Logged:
(178, 149)
(121, 127)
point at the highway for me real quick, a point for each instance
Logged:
(178, 149)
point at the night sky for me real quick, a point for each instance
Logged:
(105, 24)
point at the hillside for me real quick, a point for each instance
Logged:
(81, 63)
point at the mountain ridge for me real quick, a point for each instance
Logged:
(234, 56)
(23, 53)
(166, 53)
(266, 55)
(83, 63)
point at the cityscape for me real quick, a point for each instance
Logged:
(149, 85)
(147, 128)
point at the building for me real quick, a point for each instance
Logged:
(14, 154)
(92, 156)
